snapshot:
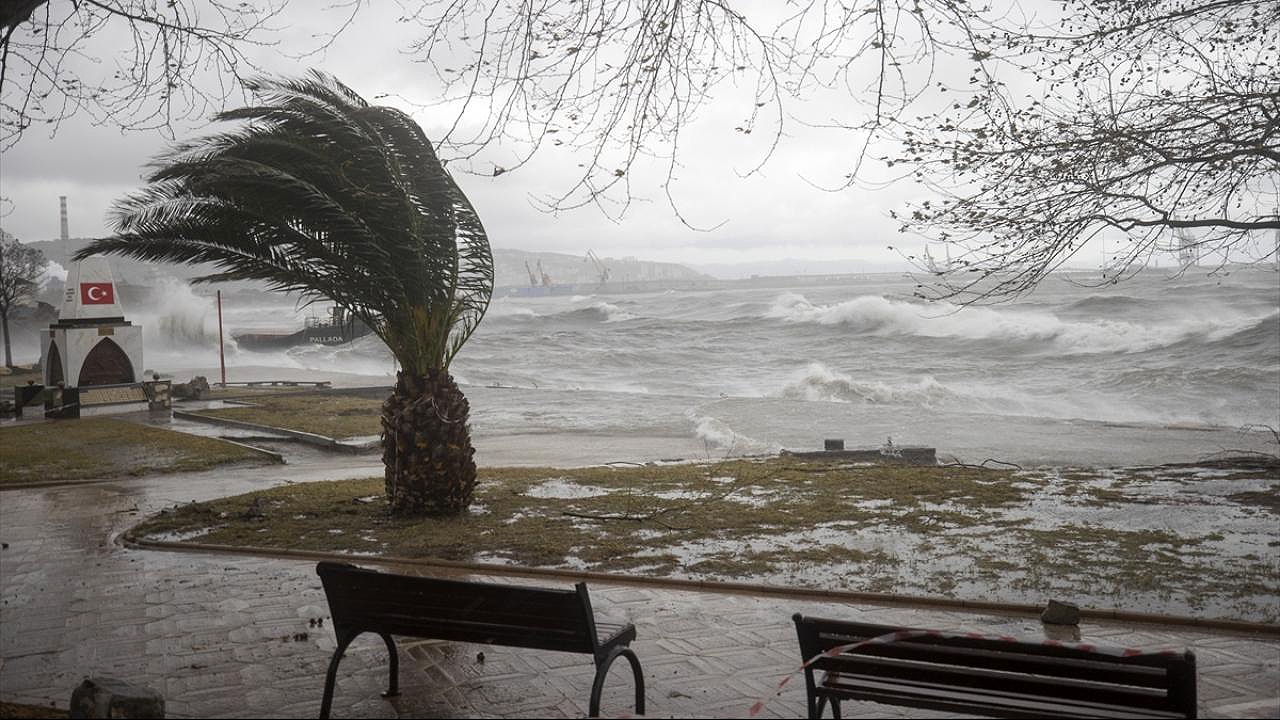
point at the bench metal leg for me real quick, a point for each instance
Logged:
(602, 669)
(815, 711)
(394, 689)
(331, 677)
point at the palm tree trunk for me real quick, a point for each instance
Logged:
(426, 446)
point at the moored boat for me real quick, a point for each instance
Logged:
(339, 328)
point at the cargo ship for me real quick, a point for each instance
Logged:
(339, 328)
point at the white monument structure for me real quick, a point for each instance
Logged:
(92, 343)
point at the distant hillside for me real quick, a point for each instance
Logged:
(509, 268)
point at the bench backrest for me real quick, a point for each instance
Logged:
(1019, 670)
(362, 600)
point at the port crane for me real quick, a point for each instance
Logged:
(602, 270)
(931, 263)
(546, 279)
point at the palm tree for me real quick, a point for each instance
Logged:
(320, 193)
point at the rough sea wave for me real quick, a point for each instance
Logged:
(762, 368)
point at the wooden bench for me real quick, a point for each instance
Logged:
(362, 600)
(987, 675)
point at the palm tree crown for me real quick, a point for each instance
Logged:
(321, 193)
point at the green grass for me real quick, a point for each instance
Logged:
(335, 416)
(100, 447)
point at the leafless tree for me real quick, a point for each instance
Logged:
(135, 64)
(1139, 120)
(1031, 134)
(20, 269)
(619, 82)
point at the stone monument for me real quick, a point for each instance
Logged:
(92, 343)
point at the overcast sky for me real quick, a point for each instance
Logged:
(774, 214)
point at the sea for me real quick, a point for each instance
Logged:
(1164, 367)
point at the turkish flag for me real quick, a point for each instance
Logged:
(97, 293)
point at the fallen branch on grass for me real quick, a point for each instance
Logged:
(980, 466)
(651, 517)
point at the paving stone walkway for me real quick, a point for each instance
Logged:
(233, 636)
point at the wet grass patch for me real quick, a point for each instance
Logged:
(537, 516)
(99, 447)
(23, 710)
(338, 416)
(914, 530)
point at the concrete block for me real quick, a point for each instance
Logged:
(1060, 613)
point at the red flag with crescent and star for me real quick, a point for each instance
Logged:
(101, 293)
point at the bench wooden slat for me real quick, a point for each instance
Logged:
(480, 632)
(829, 637)
(990, 675)
(1137, 675)
(1017, 695)
(996, 681)
(953, 700)
(445, 596)
(514, 615)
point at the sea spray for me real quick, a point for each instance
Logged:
(877, 315)
(175, 320)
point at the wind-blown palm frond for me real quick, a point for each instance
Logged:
(318, 192)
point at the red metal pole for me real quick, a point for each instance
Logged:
(222, 358)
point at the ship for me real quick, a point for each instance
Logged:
(339, 328)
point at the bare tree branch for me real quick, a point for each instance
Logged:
(135, 64)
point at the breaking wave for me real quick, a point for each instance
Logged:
(598, 311)
(878, 315)
(716, 433)
(821, 383)
(1264, 334)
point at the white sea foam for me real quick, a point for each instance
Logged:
(608, 312)
(715, 433)
(819, 382)
(875, 314)
(503, 308)
(364, 356)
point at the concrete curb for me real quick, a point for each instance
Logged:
(734, 588)
(275, 456)
(313, 439)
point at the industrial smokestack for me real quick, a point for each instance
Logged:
(64, 246)
(62, 199)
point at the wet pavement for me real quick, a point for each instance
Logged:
(234, 636)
